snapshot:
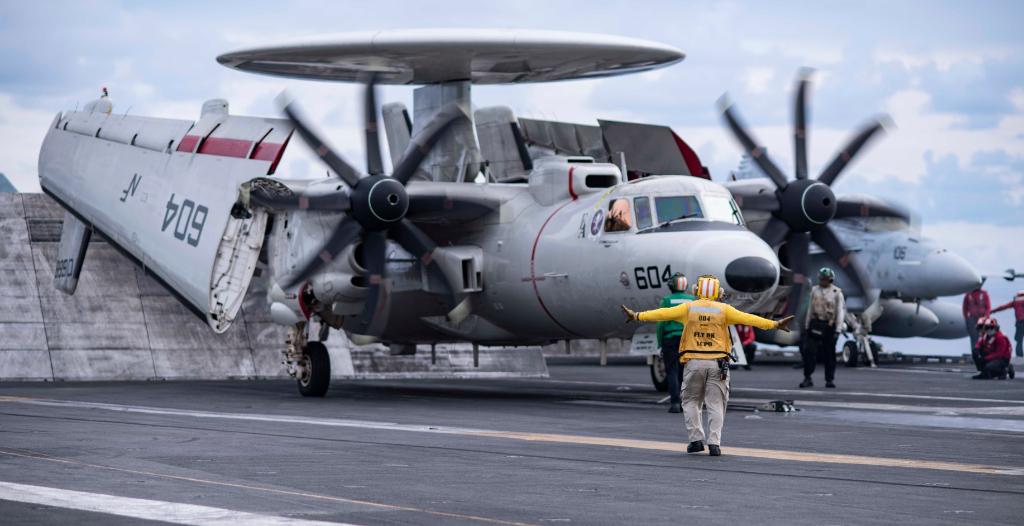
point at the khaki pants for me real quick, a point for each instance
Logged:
(703, 384)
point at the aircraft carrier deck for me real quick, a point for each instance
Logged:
(920, 444)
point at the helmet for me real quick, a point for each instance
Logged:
(991, 323)
(982, 323)
(677, 283)
(827, 273)
(1020, 293)
(708, 287)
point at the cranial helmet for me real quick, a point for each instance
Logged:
(991, 323)
(677, 283)
(982, 322)
(708, 288)
(827, 273)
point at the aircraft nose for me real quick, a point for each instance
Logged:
(751, 274)
(949, 273)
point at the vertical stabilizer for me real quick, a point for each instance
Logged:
(74, 240)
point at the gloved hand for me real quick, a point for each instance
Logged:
(630, 314)
(783, 324)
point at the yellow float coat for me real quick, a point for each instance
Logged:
(706, 322)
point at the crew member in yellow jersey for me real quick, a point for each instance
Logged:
(704, 348)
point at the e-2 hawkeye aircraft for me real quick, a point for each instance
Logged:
(545, 249)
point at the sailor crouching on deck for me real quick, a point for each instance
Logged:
(704, 349)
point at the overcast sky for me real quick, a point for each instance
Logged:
(951, 76)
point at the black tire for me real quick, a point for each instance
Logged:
(659, 377)
(318, 370)
(850, 354)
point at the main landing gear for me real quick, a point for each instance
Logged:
(308, 362)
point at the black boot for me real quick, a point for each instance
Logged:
(676, 407)
(714, 450)
(830, 385)
(807, 382)
(695, 447)
(980, 376)
(1010, 371)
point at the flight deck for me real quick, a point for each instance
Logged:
(917, 444)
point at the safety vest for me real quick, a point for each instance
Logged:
(706, 322)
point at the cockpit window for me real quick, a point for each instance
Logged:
(642, 206)
(676, 207)
(618, 219)
(722, 208)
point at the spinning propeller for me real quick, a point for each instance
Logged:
(374, 204)
(802, 208)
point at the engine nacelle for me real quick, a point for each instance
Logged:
(344, 283)
(904, 320)
(951, 321)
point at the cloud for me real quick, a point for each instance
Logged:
(21, 133)
(991, 248)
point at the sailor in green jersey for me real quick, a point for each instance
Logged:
(669, 333)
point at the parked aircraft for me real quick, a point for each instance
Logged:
(546, 252)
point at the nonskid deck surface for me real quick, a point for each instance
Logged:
(591, 445)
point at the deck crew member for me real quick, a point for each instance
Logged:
(705, 351)
(669, 334)
(1017, 304)
(821, 326)
(747, 340)
(976, 306)
(994, 349)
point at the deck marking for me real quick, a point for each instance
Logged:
(146, 509)
(807, 392)
(773, 454)
(451, 515)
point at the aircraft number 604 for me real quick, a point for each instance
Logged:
(650, 277)
(188, 219)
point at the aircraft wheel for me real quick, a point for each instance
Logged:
(850, 354)
(316, 370)
(659, 377)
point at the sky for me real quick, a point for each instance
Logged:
(949, 75)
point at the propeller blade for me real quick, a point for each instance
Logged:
(350, 175)
(775, 232)
(377, 305)
(800, 123)
(374, 164)
(827, 239)
(346, 232)
(843, 158)
(766, 202)
(756, 152)
(279, 195)
(849, 206)
(421, 144)
(797, 247)
(420, 245)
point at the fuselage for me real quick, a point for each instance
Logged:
(561, 270)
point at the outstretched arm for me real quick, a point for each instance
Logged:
(667, 314)
(734, 316)
(1002, 307)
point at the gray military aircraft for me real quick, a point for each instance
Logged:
(890, 275)
(545, 249)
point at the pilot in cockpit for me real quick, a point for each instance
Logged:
(618, 219)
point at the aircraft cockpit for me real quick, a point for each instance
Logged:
(668, 213)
